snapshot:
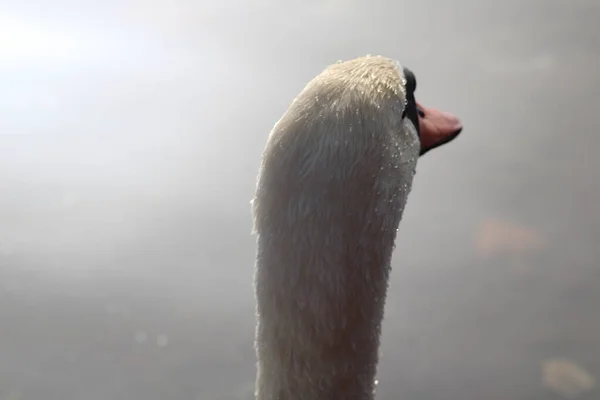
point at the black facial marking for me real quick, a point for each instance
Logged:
(411, 81)
(411, 111)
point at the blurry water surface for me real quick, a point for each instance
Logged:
(130, 137)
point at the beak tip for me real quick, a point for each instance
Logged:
(453, 121)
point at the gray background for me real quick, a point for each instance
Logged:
(130, 136)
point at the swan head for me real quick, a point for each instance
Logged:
(434, 127)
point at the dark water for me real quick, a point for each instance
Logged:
(131, 136)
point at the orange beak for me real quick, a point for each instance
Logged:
(436, 127)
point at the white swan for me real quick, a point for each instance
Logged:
(335, 175)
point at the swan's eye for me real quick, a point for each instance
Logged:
(411, 82)
(411, 110)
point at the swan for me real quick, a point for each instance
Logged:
(332, 185)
